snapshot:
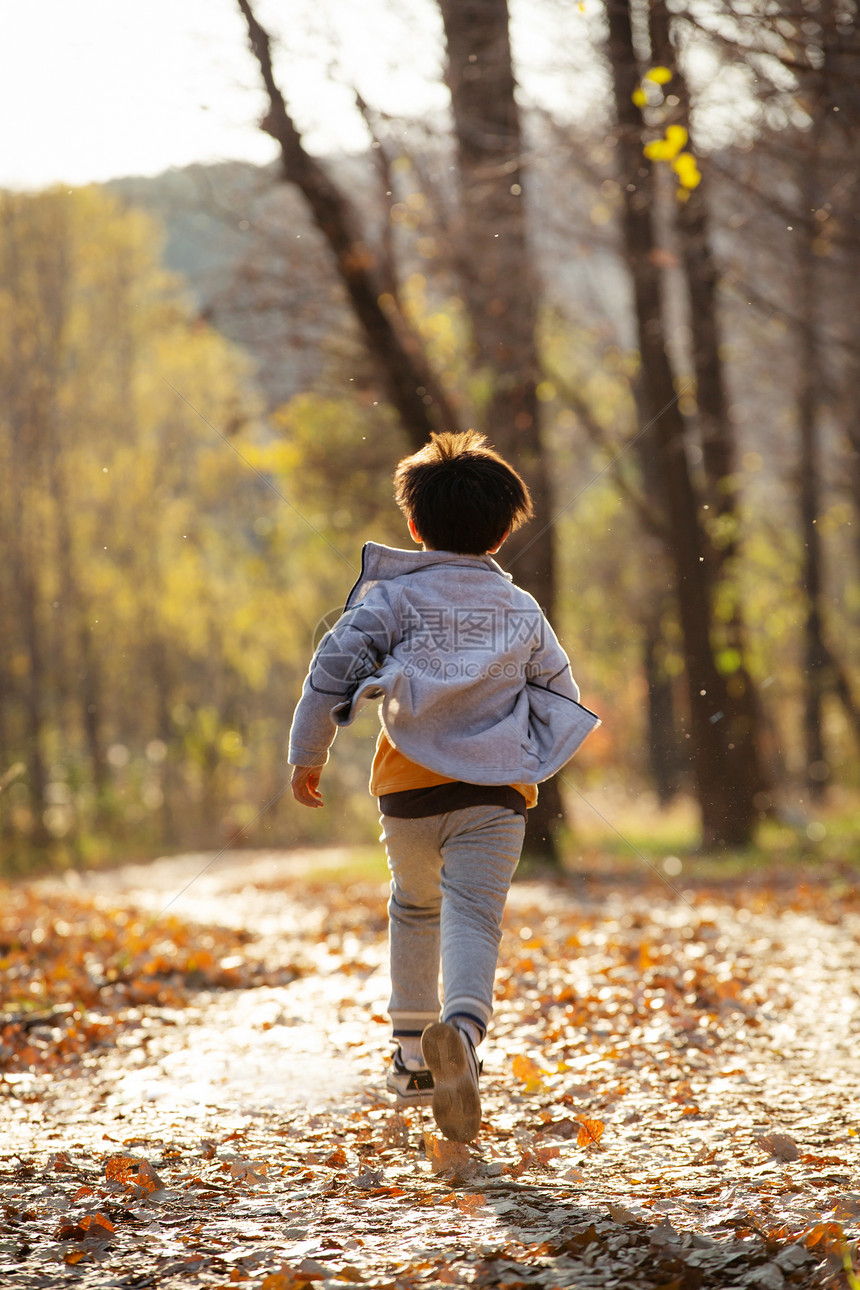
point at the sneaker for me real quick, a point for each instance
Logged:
(454, 1067)
(411, 1088)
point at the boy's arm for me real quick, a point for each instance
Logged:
(351, 651)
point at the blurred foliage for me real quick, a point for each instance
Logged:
(160, 599)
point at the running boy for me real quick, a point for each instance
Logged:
(478, 706)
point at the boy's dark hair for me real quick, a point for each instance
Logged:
(460, 494)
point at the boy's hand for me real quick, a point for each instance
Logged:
(305, 785)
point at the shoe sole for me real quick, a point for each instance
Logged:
(456, 1100)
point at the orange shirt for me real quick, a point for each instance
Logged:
(391, 772)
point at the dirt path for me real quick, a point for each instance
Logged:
(672, 1099)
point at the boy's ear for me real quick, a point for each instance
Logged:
(502, 540)
(416, 536)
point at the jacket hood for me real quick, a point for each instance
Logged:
(382, 563)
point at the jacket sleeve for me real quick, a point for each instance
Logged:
(549, 666)
(558, 722)
(352, 651)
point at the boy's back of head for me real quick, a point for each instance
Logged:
(460, 494)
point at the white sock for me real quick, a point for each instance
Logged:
(468, 1028)
(410, 1053)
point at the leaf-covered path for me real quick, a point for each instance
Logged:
(194, 1097)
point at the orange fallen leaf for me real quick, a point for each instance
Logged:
(545, 1154)
(468, 1204)
(528, 1073)
(75, 1256)
(444, 1155)
(118, 1168)
(287, 1279)
(94, 1223)
(828, 1233)
(590, 1132)
(147, 1178)
(90, 1227)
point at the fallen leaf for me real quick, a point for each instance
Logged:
(621, 1214)
(395, 1131)
(469, 1203)
(91, 1227)
(590, 1132)
(704, 1156)
(545, 1154)
(563, 1128)
(118, 1168)
(147, 1178)
(443, 1154)
(528, 1072)
(779, 1145)
(94, 1223)
(287, 1279)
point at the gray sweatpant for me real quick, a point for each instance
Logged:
(450, 876)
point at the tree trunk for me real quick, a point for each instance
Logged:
(159, 669)
(34, 707)
(501, 293)
(665, 760)
(719, 450)
(723, 789)
(809, 495)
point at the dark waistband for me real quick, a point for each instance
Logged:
(416, 803)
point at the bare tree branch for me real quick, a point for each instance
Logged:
(412, 386)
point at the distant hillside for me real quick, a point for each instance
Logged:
(258, 268)
(263, 275)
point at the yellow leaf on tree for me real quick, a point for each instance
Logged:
(528, 1072)
(659, 75)
(638, 97)
(685, 167)
(667, 148)
(676, 138)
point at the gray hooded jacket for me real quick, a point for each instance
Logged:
(473, 682)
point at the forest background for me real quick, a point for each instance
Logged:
(645, 294)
